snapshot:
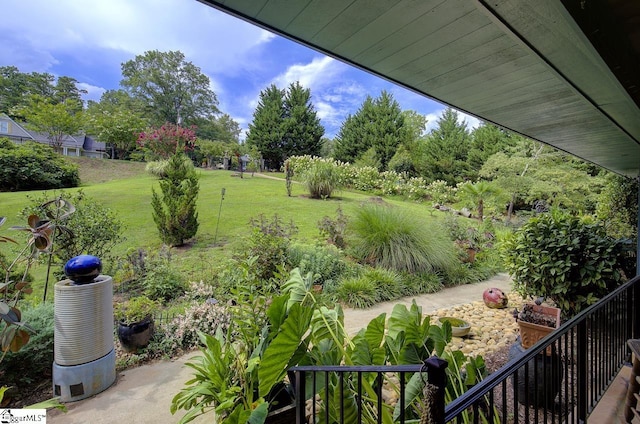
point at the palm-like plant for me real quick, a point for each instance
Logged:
(477, 193)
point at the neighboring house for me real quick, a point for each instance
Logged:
(72, 145)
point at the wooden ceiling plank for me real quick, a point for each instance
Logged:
(359, 14)
(279, 13)
(463, 51)
(400, 16)
(503, 66)
(425, 46)
(423, 27)
(315, 16)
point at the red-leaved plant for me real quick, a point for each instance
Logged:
(168, 140)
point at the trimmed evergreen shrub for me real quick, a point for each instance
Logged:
(34, 166)
(174, 212)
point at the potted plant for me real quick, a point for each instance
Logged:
(535, 322)
(135, 322)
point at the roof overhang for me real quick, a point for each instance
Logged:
(566, 74)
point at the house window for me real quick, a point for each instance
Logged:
(4, 127)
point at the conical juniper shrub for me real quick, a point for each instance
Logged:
(388, 237)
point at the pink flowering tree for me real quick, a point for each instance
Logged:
(168, 140)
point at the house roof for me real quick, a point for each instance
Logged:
(563, 73)
(83, 141)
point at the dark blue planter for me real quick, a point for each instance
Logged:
(83, 269)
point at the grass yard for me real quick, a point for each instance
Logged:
(125, 188)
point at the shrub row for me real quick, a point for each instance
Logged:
(34, 166)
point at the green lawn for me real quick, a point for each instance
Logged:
(244, 198)
(127, 191)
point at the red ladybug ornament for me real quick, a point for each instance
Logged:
(494, 298)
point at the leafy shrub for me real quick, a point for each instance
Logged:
(135, 309)
(94, 228)
(321, 180)
(155, 274)
(164, 283)
(174, 212)
(34, 166)
(357, 292)
(182, 332)
(324, 262)
(391, 238)
(334, 230)
(267, 245)
(568, 259)
(33, 361)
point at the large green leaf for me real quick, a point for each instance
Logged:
(278, 354)
(412, 391)
(367, 346)
(328, 324)
(298, 287)
(407, 320)
(441, 336)
(277, 312)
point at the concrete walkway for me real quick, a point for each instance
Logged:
(143, 395)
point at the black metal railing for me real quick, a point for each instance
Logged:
(565, 384)
(364, 394)
(559, 380)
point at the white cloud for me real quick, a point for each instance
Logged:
(207, 37)
(93, 93)
(314, 75)
(471, 121)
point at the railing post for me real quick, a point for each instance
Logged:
(582, 372)
(300, 395)
(437, 380)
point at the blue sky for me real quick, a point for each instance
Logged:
(89, 40)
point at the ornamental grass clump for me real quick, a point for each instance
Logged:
(390, 238)
(321, 179)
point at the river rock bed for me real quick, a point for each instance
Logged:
(491, 329)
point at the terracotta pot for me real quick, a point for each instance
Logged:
(531, 333)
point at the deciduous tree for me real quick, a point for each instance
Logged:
(173, 89)
(55, 121)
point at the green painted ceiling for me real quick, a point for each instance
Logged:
(564, 73)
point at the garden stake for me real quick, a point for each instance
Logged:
(215, 237)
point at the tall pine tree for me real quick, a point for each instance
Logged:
(379, 124)
(444, 155)
(285, 124)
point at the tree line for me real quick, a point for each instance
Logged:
(160, 88)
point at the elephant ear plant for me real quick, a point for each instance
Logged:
(241, 371)
(15, 333)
